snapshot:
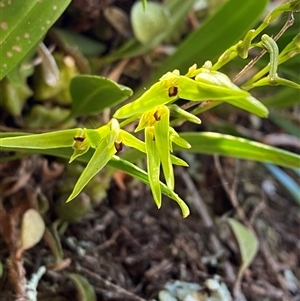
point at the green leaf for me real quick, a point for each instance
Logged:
(64, 138)
(92, 94)
(77, 43)
(153, 165)
(85, 290)
(149, 23)
(227, 145)
(247, 242)
(23, 24)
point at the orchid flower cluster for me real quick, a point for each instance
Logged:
(153, 110)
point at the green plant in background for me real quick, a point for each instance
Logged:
(152, 110)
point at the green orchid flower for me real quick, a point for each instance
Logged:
(206, 84)
(163, 92)
(158, 147)
(106, 147)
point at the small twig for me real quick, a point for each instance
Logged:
(273, 265)
(111, 241)
(201, 209)
(116, 290)
(231, 192)
(31, 286)
(287, 24)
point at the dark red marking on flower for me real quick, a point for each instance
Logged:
(80, 139)
(156, 116)
(118, 146)
(173, 91)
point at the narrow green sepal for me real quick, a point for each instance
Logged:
(178, 112)
(153, 165)
(174, 137)
(178, 161)
(131, 141)
(103, 153)
(161, 130)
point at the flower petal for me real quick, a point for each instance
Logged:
(153, 165)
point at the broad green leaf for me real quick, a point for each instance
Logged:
(64, 138)
(23, 24)
(32, 229)
(92, 94)
(150, 22)
(162, 137)
(100, 158)
(84, 288)
(247, 242)
(153, 165)
(227, 145)
(77, 43)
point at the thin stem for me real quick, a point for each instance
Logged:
(287, 24)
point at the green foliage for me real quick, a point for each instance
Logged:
(247, 242)
(92, 94)
(148, 23)
(23, 25)
(154, 108)
(227, 145)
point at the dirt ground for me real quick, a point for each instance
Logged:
(129, 250)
